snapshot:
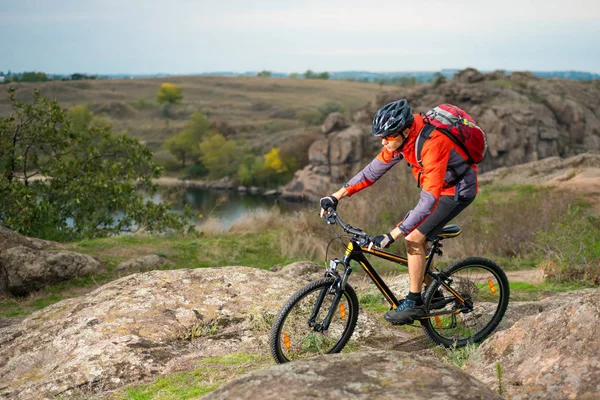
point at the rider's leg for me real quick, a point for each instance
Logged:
(415, 249)
(411, 307)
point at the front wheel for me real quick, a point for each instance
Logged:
(299, 331)
(483, 286)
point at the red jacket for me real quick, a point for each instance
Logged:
(442, 161)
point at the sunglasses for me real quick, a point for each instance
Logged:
(392, 138)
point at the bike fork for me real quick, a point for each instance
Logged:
(338, 285)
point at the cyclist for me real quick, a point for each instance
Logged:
(441, 198)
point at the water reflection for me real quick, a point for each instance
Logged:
(226, 205)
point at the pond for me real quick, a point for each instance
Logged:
(226, 205)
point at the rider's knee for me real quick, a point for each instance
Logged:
(415, 248)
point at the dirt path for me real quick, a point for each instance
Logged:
(533, 276)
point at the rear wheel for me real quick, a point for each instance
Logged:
(298, 329)
(484, 287)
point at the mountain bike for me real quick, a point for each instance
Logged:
(464, 302)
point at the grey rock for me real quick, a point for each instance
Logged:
(23, 269)
(334, 122)
(142, 264)
(132, 328)
(9, 239)
(302, 269)
(549, 355)
(362, 375)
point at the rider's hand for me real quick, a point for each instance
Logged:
(382, 241)
(326, 202)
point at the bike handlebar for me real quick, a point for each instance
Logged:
(333, 217)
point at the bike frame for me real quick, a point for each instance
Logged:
(356, 252)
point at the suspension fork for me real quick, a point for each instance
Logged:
(338, 285)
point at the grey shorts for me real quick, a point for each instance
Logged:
(447, 208)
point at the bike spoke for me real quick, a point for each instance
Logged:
(303, 337)
(483, 293)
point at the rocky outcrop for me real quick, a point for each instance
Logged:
(549, 170)
(23, 270)
(331, 160)
(551, 355)
(526, 119)
(370, 375)
(132, 328)
(150, 323)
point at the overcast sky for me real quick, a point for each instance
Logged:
(194, 36)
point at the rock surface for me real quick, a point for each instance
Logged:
(23, 269)
(10, 239)
(131, 328)
(552, 355)
(142, 264)
(368, 375)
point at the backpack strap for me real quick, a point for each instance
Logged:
(426, 131)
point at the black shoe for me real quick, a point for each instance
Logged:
(406, 312)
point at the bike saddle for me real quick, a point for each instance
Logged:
(449, 231)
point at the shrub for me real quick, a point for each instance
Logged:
(570, 248)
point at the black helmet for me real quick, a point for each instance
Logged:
(392, 118)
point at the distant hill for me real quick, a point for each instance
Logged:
(369, 76)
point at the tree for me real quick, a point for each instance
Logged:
(184, 145)
(219, 156)
(34, 77)
(273, 161)
(80, 116)
(293, 75)
(168, 94)
(93, 179)
(264, 74)
(438, 79)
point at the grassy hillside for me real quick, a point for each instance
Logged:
(261, 111)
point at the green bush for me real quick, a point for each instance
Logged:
(570, 249)
(310, 117)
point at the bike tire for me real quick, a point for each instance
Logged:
(475, 278)
(291, 336)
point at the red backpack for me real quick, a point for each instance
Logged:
(459, 126)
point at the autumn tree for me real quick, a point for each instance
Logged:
(168, 94)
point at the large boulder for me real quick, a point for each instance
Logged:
(23, 269)
(334, 122)
(130, 329)
(552, 355)
(10, 239)
(372, 375)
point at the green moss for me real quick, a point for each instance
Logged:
(208, 376)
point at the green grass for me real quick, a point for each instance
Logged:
(252, 250)
(458, 356)
(521, 291)
(373, 302)
(206, 377)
